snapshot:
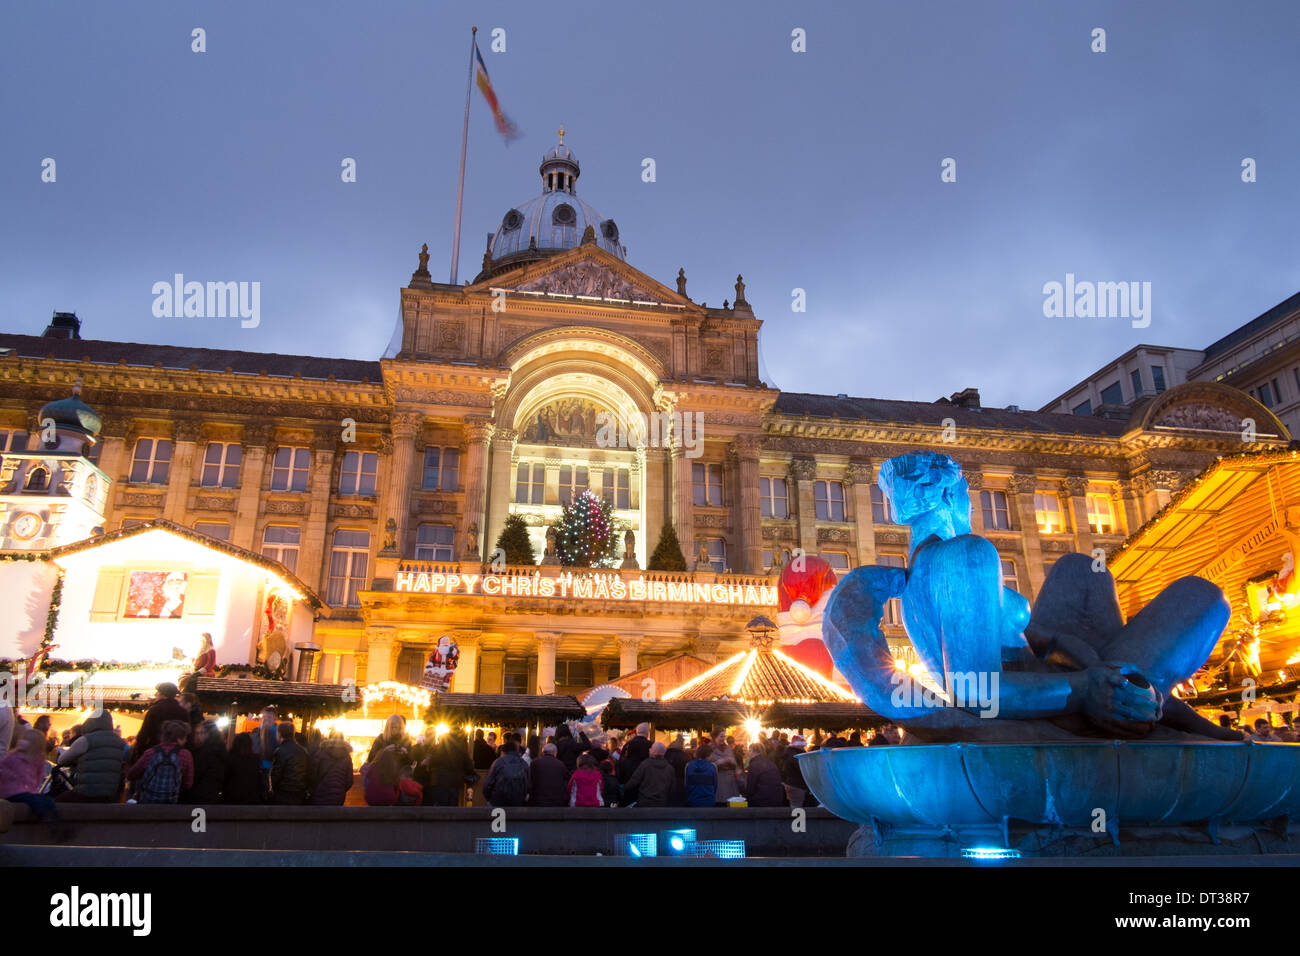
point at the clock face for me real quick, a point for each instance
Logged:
(26, 526)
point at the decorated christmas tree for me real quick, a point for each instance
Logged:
(668, 553)
(514, 541)
(585, 536)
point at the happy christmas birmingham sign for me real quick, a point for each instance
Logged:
(593, 587)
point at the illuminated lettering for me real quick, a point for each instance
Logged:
(617, 589)
(582, 588)
(436, 582)
(636, 589)
(768, 595)
(658, 591)
(735, 594)
(453, 582)
(492, 585)
(751, 594)
(719, 592)
(405, 580)
(470, 581)
(699, 592)
(602, 588)
(546, 587)
(678, 592)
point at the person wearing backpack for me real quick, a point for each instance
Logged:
(163, 771)
(507, 781)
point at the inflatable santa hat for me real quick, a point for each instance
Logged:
(802, 591)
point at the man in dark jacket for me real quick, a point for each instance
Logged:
(164, 708)
(677, 759)
(507, 782)
(288, 768)
(701, 779)
(549, 779)
(484, 753)
(763, 787)
(567, 749)
(445, 771)
(209, 766)
(98, 755)
(652, 783)
(635, 751)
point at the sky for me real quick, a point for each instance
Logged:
(817, 170)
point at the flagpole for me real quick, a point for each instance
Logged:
(464, 140)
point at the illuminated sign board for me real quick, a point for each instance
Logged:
(586, 587)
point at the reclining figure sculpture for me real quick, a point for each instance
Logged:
(1069, 668)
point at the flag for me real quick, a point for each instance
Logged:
(506, 128)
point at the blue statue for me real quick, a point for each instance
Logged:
(1069, 668)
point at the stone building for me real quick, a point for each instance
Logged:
(361, 475)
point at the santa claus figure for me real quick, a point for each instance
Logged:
(440, 668)
(802, 591)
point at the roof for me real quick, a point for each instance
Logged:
(187, 358)
(760, 676)
(1253, 327)
(933, 413)
(547, 708)
(225, 547)
(704, 714)
(251, 694)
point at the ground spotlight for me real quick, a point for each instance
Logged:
(678, 840)
(636, 844)
(717, 849)
(989, 853)
(497, 846)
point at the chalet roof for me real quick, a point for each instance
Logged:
(546, 708)
(248, 695)
(760, 676)
(706, 714)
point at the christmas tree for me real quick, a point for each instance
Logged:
(514, 541)
(668, 553)
(585, 536)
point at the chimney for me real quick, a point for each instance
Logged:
(966, 398)
(64, 325)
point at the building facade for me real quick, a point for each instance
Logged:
(383, 485)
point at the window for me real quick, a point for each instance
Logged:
(575, 673)
(1083, 408)
(708, 484)
(38, 479)
(213, 529)
(768, 557)
(530, 484)
(1158, 378)
(717, 553)
(357, 477)
(1009, 579)
(289, 469)
(1295, 372)
(573, 481)
(434, 542)
(828, 497)
(280, 543)
(1265, 395)
(348, 562)
(17, 441)
(152, 459)
(881, 513)
(994, 506)
(1136, 377)
(1112, 395)
(1101, 515)
(615, 485)
(410, 665)
(839, 560)
(515, 677)
(772, 494)
(894, 606)
(1047, 511)
(221, 465)
(441, 469)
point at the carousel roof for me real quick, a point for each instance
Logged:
(761, 675)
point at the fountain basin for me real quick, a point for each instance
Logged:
(1136, 783)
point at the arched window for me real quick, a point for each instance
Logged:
(38, 479)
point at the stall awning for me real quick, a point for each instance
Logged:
(247, 695)
(504, 708)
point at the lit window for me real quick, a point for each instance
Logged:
(839, 560)
(289, 469)
(717, 553)
(213, 529)
(881, 513)
(1047, 511)
(441, 469)
(894, 606)
(1112, 394)
(707, 480)
(280, 543)
(357, 476)
(433, 542)
(530, 484)
(1009, 578)
(828, 497)
(993, 504)
(348, 561)
(221, 465)
(1101, 515)
(151, 461)
(573, 482)
(615, 487)
(773, 499)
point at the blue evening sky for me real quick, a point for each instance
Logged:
(816, 170)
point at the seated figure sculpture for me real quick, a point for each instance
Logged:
(1070, 667)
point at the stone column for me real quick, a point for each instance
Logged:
(1022, 488)
(860, 477)
(1074, 489)
(1163, 485)
(478, 432)
(684, 503)
(185, 436)
(1131, 505)
(627, 655)
(501, 488)
(313, 565)
(802, 473)
(252, 469)
(465, 680)
(744, 452)
(111, 453)
(547, 641)
(395, 503)
(655, 505)
(381, 653)
(975, 482)
(491, 671)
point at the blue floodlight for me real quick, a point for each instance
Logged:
(496, 846)
(989, 853)
(636, 844)
(679, 840)
(718, 849)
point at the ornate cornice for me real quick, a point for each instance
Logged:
(1022, 483)
(803, 469)
(478, 429)
(974, 480)
(1074, 486)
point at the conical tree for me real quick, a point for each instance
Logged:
(514, 541)
(668, 552)
(585, 536)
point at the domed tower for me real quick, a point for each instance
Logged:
(52, 494)
(552, 222)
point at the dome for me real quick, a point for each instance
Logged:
(72, 414)
(552, 222)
